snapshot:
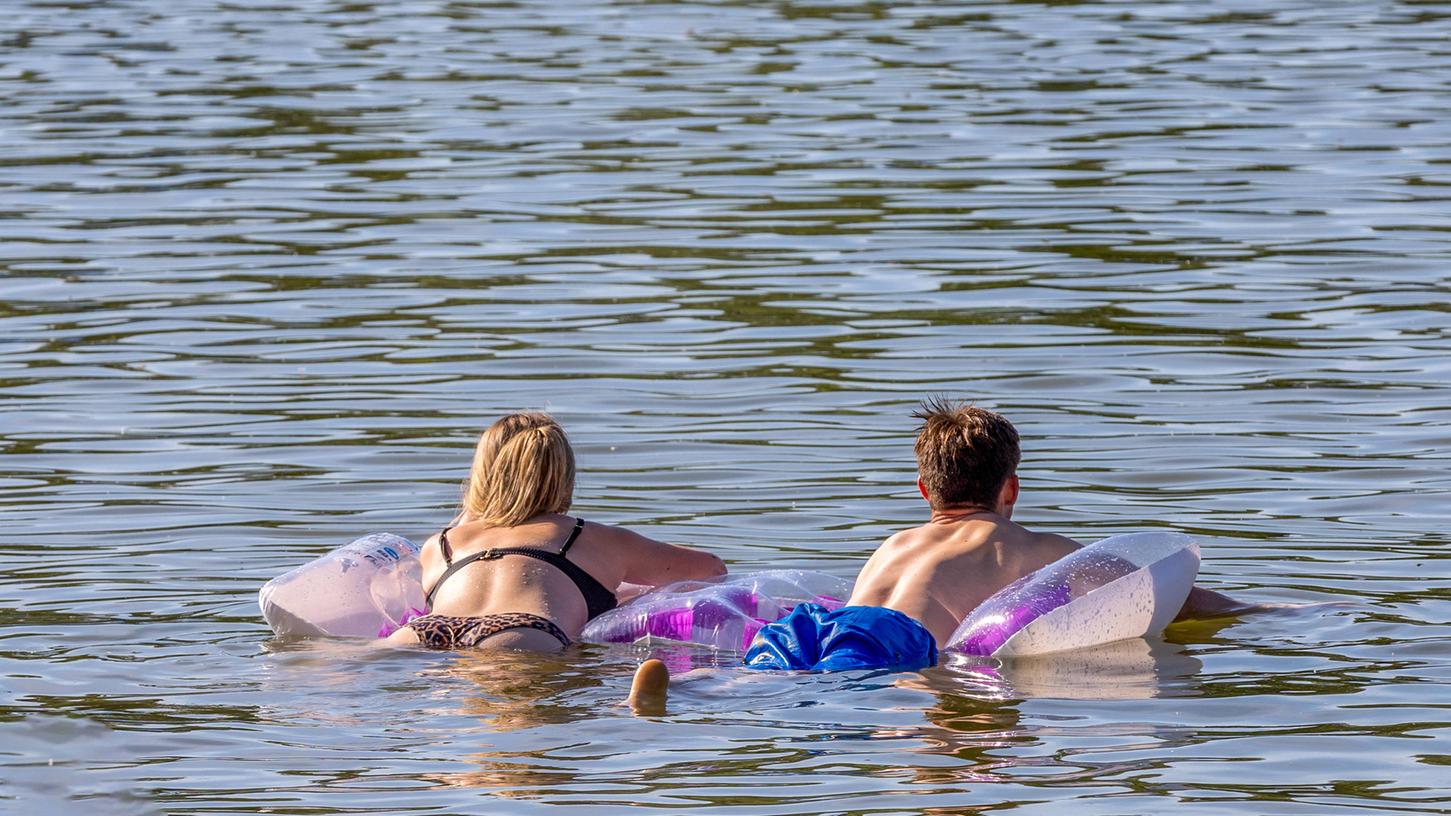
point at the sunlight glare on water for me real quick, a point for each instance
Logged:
(269, 269)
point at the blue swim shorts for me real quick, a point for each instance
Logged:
(814, 638)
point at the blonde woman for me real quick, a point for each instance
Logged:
(515, 572)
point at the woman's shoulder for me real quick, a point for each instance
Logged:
(429, 550)
(613, 532)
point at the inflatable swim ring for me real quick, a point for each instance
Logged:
(372, 586)
(1121, 587)
(367, 588)
(722, 614)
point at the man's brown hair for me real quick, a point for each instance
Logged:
(964, 453)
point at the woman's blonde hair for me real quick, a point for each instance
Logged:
(523, 466)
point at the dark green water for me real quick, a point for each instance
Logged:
(269, 268)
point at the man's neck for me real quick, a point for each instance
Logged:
(952, 515)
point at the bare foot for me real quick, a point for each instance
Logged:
(652, 683)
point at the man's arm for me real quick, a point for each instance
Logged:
(1206, 603)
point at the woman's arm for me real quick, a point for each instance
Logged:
(653, 563)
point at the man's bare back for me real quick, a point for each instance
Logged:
(920, 583)
(939, 572)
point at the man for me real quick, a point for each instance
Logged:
(920, 583)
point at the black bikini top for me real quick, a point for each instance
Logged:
(597, 599)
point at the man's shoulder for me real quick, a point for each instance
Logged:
(910, 538)
(935, 542)
(903, 535)
(1059, 545)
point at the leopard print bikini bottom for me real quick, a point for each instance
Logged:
(448, 632)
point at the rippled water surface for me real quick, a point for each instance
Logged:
(268, 268)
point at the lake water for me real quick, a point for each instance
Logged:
(270, 267)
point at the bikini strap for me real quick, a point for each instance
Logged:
(444, 548)
(575, 572)
(569, 542)
(455, 566)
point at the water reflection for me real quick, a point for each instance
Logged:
(511, 775)
(505, 692)
(979, 714)
(512, 691)
(1136, 668)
